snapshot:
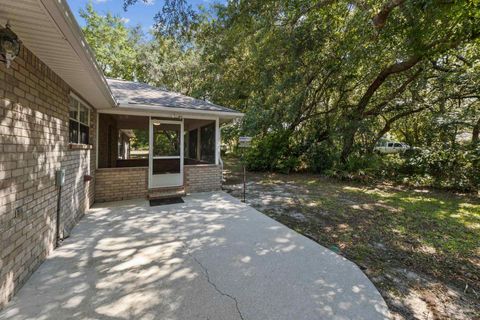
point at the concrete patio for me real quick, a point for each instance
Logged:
(211, 257)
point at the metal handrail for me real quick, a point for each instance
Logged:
(221, 167)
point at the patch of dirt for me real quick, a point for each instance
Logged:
(325, 213)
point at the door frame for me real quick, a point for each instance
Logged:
(150, 151)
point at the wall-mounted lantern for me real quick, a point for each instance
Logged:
(9, 45)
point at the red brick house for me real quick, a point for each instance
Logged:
(58, 112)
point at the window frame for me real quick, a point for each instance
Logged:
(80, 103)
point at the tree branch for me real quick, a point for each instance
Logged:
(375, 110)
(381, 17)
(381, 77)
(388, 124)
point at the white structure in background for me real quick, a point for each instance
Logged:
(391, 147)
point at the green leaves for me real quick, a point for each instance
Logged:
(176, 19)
(318, 80)
(113, 43)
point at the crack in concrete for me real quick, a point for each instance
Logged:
(207, 276)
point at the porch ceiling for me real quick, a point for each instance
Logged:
(131, 122)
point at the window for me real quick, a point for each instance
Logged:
(79, 115)
(398, 145)
(390, 144)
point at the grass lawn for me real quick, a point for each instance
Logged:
(421, 248)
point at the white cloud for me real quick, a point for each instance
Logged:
(149, 2)
(125, 20)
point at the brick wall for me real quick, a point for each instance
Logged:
(33, 144)
(202, 178)
(112, 184)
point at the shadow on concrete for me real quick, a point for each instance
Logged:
(211, 257)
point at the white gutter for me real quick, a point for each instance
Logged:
(125, 108)
(64, 19)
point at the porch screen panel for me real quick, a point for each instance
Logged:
(166, 140)
(166, 148)
(207, 143)
(192, 144)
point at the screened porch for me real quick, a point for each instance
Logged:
(163, 145)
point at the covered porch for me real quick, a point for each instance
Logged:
(162, 148)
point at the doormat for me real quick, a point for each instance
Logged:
(162, 202)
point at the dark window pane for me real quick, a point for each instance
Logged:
(73, 132)
(162, 166)
(73, 109)
(83, 114)
(83, 134)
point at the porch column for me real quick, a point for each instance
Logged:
(217, 141)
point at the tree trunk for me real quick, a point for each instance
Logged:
(379, 135)
(359, 112)
(476, 133)
(381, 17)
(348, 140)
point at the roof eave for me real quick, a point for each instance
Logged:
(61, 14)
(126, 108)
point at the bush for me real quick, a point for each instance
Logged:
(320, 157)
(363, 164)
(436, 166)
(271, 153)
(445, 168)
(361, 168)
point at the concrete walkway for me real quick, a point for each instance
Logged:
(211, 257)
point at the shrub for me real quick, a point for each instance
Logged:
(361, 168)
(320, 157)
(438, 166)
(445, 168)
(271, 153)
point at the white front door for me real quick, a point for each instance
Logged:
(166, 153)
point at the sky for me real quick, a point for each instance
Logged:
(141, 13)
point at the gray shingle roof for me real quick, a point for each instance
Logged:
(129, 92)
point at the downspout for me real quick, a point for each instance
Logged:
(59, 182)
(57, 225)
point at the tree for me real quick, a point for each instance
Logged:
(174, 20)
(320, 70)
(125, 52)
(322, 79)
(164, 63)
(115, 45)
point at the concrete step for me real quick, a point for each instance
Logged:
(164, 193)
